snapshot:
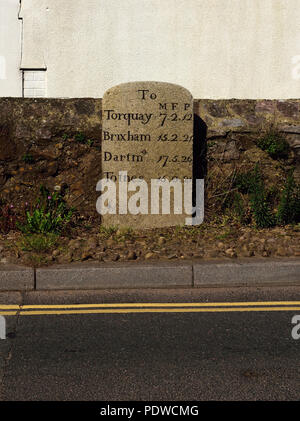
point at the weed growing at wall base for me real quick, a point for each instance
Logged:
(38, 243)
(50, 214)
(288, 211)
(274, 144)
(267, 207)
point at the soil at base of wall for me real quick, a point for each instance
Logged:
(208, 241)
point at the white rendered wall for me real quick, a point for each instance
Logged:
(10, 49)
(214, 48)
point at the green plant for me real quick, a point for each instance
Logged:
(39, 243)
(211, 144)
(273, 195)
(124, 233)
(288, 211)
(28, 158)
(245, 182)
(275, 144)
(50, 214)
(178, 229)
(107, 232)
(81, 138)
(259, 204)
(262, 200)
(193, 231)
(238, 206)
(251, 183)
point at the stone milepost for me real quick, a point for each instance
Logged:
(147, 132)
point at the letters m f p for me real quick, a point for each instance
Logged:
(2, 328)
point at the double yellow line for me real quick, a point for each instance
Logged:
(126, 308)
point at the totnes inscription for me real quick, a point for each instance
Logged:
(148, 133)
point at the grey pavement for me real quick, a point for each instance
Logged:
(90, 275)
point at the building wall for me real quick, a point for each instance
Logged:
(214, 48)
(10, 49)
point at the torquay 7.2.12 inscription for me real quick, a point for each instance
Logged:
(147, 134)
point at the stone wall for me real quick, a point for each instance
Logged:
(235, 124)
(56, 142)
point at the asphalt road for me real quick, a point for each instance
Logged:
(205, 355)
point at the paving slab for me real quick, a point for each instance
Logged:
(247, 273)
(117, 276)
(16, 278)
